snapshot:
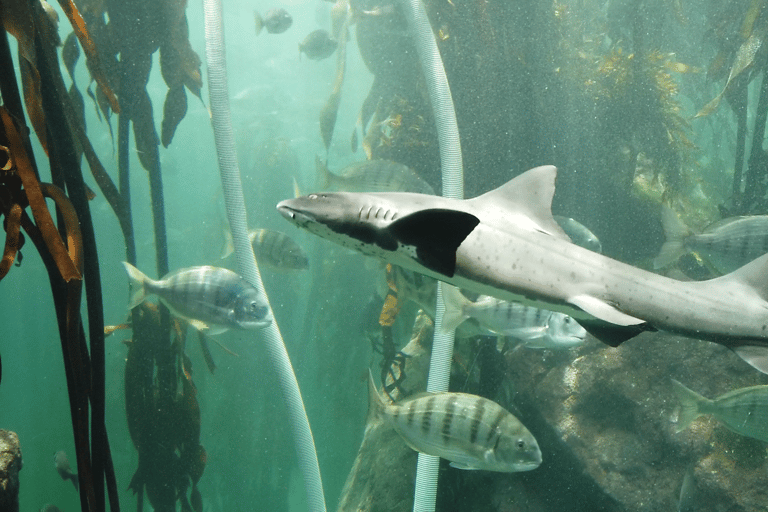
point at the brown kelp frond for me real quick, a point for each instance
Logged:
(34, 196)
(94, 62)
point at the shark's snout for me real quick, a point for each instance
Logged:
(285, 210)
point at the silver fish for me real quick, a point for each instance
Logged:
(506, 244)
(273, 248)
(534, 327)
(61, 463)
(745, 410)
(579, 233)
(372, 176)
(210, 298)
(469, 431)
(724, 245)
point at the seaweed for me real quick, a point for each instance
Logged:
(171, 464)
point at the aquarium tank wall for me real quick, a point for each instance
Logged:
(223, 240)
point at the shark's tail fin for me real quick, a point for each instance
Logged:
(689, 405)
(137, 280)
(676, 232)
(454, 307)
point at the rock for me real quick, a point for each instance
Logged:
(610, 414)
(10, 465)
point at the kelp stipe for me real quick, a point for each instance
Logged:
(246, 262)
(453, 187)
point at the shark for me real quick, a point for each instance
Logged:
(506, 244)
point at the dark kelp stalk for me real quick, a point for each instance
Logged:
(170, 456)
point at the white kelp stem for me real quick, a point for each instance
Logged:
(453, 187)
(246, 261)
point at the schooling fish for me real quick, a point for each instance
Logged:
(61, 463)
(745, 410)
(318, 45)
(725, 245)
(276, 21)
(208, 297)
(372, 176)
(506, 244)
(469, 431)
(536, 328)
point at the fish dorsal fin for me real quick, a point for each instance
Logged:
(524, 202)
(753, 275)
(435, 234)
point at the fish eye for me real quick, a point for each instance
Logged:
(254, 306)
(520, 444)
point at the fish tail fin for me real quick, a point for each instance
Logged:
(259, 22)
(689, 405)
(138, 282)
(676, 232)
(454, 307)
(228, 247)
(323, 174)
(296, 189)
(375, 402)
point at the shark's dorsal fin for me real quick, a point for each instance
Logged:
(435, 234)
(752, 275)
(526, 202)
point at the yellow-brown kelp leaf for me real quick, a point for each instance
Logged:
(12, 226)
(94, 63)
(17, 21)
(744, 59)
(40, 211)
(71, 222)
(174, 110)
(178, 61)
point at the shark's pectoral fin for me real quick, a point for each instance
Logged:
(604, 311)
(756, 356)
(611, 334)
(435, 235)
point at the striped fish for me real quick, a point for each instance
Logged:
(724, 246)
(272, 248)
(209, 298)
(534, 327)
(373, 176)
(277, 250)
(745, 410)
(470, 431)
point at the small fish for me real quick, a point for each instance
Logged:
(276, 21)
(210, 298)
(61, 463)
(470, 431)
(745, 410)
(536, 328)
(372, 176)
(579, 234)
(318, 45)
(275, 249)
(724, 245)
